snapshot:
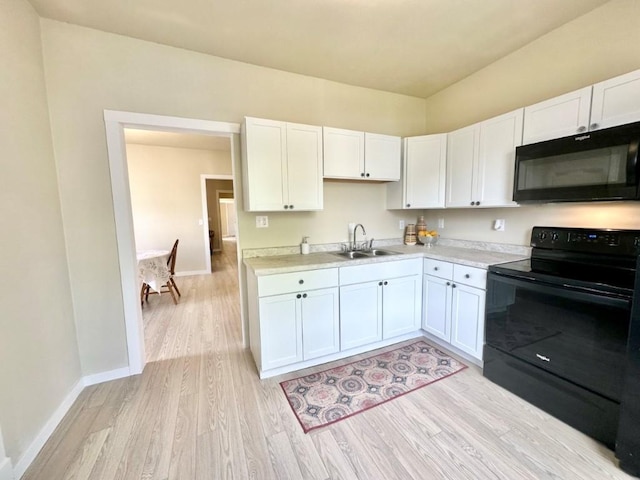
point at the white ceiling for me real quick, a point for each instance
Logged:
(413, 47)
(177, 140)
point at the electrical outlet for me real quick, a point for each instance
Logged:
(498, 224)
(401, 224)
(441, 223)
(262, 221)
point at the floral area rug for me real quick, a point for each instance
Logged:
(323, 398)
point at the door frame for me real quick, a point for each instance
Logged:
(205, 211)
(115, 123)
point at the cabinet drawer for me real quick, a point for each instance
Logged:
(438, 268)
(380, 271)
(297, 281)
(472, 276)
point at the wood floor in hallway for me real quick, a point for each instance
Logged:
(199, 411)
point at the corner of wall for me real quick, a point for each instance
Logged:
(6, 468)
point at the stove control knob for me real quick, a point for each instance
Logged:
(542, 235)
(555, 237)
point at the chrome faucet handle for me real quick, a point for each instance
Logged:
(370, 246)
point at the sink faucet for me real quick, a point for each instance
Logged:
(364, 233)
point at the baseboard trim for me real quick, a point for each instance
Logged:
(106, 376)
(30, 454)
(6, 470)
(32, 451)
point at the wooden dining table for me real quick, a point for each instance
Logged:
(152, 268)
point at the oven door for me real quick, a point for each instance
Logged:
(576, 334)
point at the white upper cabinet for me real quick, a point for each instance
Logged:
(353, 155)
(499, 137)
(282, 166)
(606, 104)
(480, 162)
(343, 153)
(422, 184)
(557, 117)
(616, 101)
(382, 157)
(462, 156)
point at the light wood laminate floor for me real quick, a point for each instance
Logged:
(199, 411)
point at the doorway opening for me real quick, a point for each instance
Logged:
(115, 124)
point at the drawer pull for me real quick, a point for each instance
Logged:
(298, 296)
(386, 283)
(435, 268)
(467, 275)
(300, 281)
(448, 283)
(304, 295)
(453, 286)
(380, 283)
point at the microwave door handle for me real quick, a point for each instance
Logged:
(632, 163)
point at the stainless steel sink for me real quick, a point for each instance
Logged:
(352, 254)
(377, 252)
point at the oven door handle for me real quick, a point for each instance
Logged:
(564, 291)
(632, 163)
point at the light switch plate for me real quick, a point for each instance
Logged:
(262, 221)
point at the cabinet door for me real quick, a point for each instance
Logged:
(401, 305)
(425, 161)
(467, 319)
(499, 138)
(320, 323)
(360, 314)
(382, 157)
(343, 153)
(304, 167)
(616, 101)
(557, 117)
(264, 162)
(436, 298)
(280, 330)
(462, 154)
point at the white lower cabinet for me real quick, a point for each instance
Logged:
(361, 314)
(453, 305)
(293, 317)
(374, 310)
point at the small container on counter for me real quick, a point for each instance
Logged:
(304, 246)
(410, 235)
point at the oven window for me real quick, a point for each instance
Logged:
(581, 338)
(604, 166)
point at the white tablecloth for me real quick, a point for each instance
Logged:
(152, 268)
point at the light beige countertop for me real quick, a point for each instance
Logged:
(474, 257)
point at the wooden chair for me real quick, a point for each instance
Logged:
(170, 286)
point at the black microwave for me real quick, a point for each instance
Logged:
(592, 166)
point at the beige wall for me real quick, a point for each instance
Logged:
(166, 199)
(39, 362)
(599, 45)
(89, 71)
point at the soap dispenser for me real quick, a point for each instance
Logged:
(304, 246)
